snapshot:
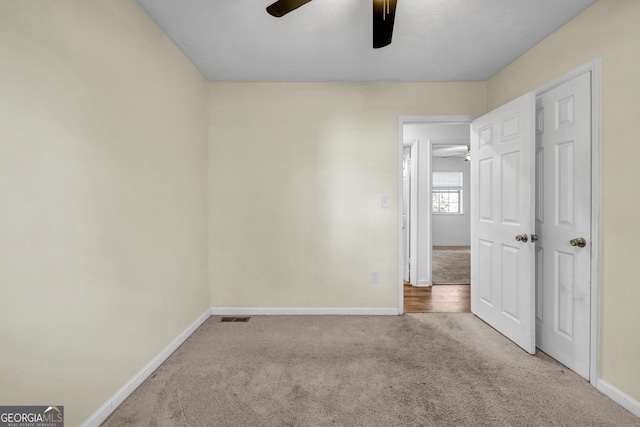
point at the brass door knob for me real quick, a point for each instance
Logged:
(522, 238)
(579, 242)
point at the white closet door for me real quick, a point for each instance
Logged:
(563, 153)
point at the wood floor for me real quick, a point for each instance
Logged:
(437, 299)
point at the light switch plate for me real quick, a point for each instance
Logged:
(385, 202)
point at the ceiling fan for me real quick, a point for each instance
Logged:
(446, 152)
(384, 13)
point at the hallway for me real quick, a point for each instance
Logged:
(437, 299)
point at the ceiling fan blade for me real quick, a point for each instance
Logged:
(384, 13)
(449, 148)
(282, 7)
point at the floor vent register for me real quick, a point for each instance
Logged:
(234, 319)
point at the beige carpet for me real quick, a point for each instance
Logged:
(412, 370)
(451, 265)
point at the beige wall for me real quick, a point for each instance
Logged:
(296, 175)
(103, 142)
(608, 30)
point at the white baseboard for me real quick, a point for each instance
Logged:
(622, 399)
(423, 283)
(114, 401)
(256, 311)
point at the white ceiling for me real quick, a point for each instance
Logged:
(330, 40)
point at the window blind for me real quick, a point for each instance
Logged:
(447, 179)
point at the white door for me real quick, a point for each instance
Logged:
(502, 209)
(563, 160)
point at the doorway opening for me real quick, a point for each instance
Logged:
(436, 213)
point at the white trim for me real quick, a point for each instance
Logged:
(593, 68)
(304, 311)
(576, 72)
(595, 221)
(415, 181)
(400, 239)
(405, 120)
(103, 412)
(427, 180)
(413, 212)
(451, 119)
(622, 399)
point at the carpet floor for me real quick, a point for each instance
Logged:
(412, 370)
(451, 265)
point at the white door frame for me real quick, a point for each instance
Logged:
(592, 67)
(406, 120)
(413, 211)
(423, 218)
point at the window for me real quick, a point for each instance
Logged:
(446, 194)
